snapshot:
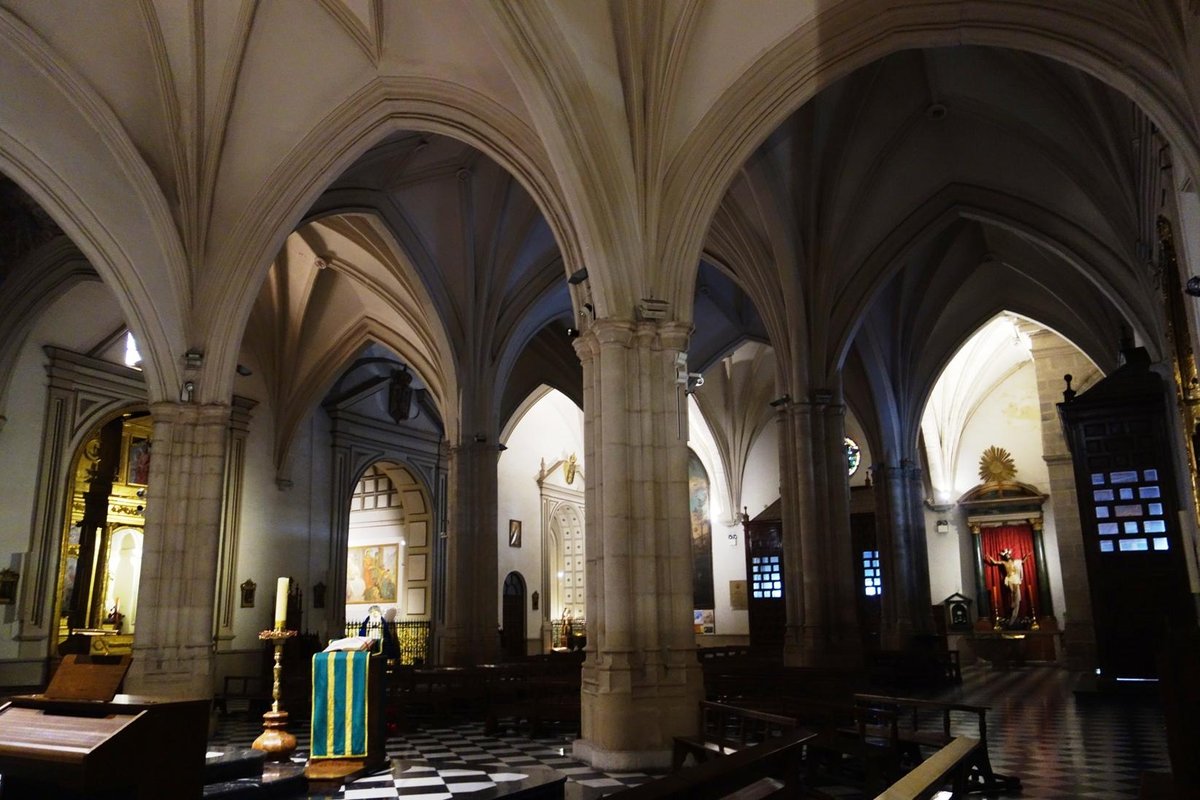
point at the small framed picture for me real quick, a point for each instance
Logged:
(248, 588)
(514, 533)
(137, 461)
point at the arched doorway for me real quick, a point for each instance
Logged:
(567, 609)
(100, 557)
(512, 634)
(388, 569)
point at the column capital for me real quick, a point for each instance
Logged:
(656, 335)
(190, 413)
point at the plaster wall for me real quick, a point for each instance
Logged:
(760, 486)
(383, 526)
(81, 318)
(284, 531)
(1009, 416)
(728, 547)
(550, 430)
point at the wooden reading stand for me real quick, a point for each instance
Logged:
(340, 770)
(80, 739)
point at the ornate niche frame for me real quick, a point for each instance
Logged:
(1002, 500)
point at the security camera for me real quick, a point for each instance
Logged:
(1193, 286)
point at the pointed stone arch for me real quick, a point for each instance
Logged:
(381, 108)
(100, 191)
(1117, 48)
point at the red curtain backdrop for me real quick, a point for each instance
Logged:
(1019, 539)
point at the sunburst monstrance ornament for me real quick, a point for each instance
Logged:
(996, 465)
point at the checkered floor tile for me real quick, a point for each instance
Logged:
(1062, 745)
(459, 755)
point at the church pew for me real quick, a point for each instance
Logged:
(727, 729)
(951, 764)
(536, 691)
(929, 724)
(770, 769)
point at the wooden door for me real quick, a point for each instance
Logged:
(513, 613)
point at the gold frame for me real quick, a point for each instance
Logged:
(127, 456)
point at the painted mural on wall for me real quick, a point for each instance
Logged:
(702, 572)
(371, 574)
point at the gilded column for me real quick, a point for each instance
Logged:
(641, 680)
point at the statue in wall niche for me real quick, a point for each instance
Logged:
(1014, 575)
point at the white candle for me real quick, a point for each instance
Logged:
(281, 594)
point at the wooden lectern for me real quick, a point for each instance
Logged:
(80, 740)
(348, 731)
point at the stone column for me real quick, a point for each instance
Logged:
(1053, 357)
(641, 680)
(819, 580)
(469, 633)
(173, 645)
(902, 555)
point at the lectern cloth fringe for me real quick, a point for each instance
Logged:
(339, 704)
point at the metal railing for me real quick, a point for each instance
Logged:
(578, 634)
(412, 637)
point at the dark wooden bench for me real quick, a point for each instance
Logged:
(749, 683)
(930, 724)
(771, 769)
(864, 754)
(949, 765)
(919, 667)
(250, 688)
(536, 691)
(412, 694)
(727, 729)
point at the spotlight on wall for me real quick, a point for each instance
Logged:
(578, 277)
(244, 371)
(781, 401)
(186, 391)
(572, 333)
(1193, 286)
(480, 438)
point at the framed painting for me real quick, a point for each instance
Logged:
(137, 461)
(371, 574)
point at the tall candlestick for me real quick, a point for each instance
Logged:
(281, 595)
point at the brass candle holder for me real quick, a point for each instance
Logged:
(275, 740)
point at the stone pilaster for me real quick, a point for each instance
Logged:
(173, 648)
(1053, 358)
(469, 634)
(902, 554)
(231, 517)
(641, 680)
(819, 580)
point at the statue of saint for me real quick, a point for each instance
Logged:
(1014, 574)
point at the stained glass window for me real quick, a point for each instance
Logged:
(853, 455)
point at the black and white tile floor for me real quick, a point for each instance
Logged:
(1062, 745)
(453, 750)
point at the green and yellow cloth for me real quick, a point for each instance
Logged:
(339, 704)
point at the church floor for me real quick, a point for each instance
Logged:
(1062, 745)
